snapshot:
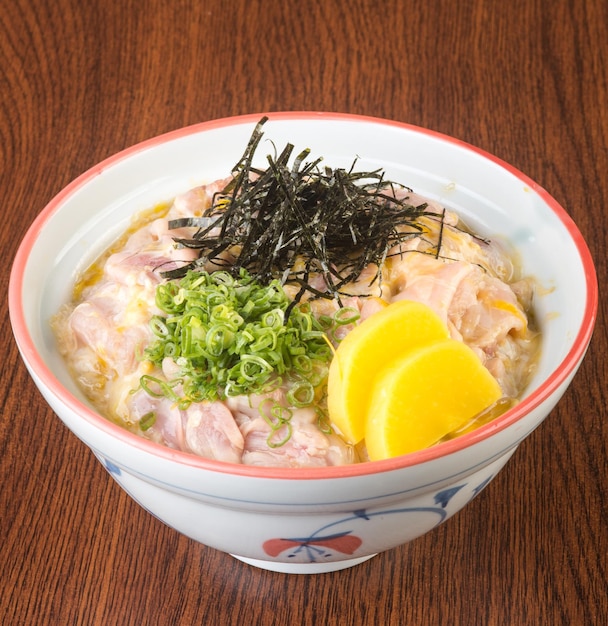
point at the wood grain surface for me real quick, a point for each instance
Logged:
(526, 80)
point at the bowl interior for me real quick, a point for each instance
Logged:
(492, 197)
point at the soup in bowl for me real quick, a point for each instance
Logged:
(305, 517)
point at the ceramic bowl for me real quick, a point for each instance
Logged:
(305, 520)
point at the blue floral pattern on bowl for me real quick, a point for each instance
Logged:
(323, 545)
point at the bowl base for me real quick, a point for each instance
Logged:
(303, 568)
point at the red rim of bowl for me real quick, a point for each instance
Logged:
(532, 401)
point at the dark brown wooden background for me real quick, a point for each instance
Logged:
(526, 80)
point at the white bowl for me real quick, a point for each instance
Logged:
(305, 520)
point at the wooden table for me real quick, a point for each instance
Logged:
(526, 80)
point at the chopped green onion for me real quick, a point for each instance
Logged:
(346, 315)
(277, 444)
(229, 335)
(147, 421)
(158, 388)
(301, 394)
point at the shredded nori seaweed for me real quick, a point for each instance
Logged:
(297, 222)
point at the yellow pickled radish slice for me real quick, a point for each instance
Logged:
(392, 331)
(425, 394)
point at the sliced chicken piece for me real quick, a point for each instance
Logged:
(306, 446)
(211, 432)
